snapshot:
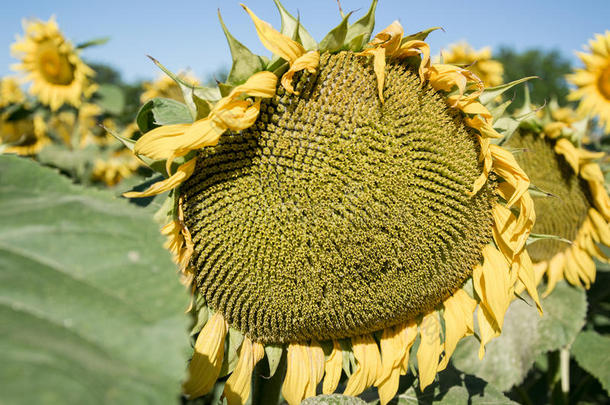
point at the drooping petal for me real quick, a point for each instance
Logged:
(161, 142)
(297, 374)
(204, 367)
(459, 322)
(237, 387)
(429, 349)
(332, 369)
(184, 172)
(275, 41)
(308, 61)
(368, 371)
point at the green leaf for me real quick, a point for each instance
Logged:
(525, 335)
(420, 36)
(274, 355)
(186, 88)
(162, 111)
(110, 98)
(77, 163)
(234, 340)
(90, 304)
(292, 28)
(245, 63)
(590, 350)
(359, 33)
(453, 388)
(334, 399)
(93, 42)
(490, 93)
(335, 39)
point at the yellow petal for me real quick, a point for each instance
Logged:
(274, 41)
(389, 38)
(507, 167)
(297, 374)
(488, 329)
(413, 48)
(207, 358)
(378, 66)
(527, 277)
(369, 365)
(600, 226)
(184, 172)
(554, 272)
(309, 61)
(392, 352)
(160, 143)
(429, 349)
(565, 148)
(332, 369)
(237, 387)
(408, 333)
(316, 368)
(495, 283)
(458, 315)
(571, 270)
(236, 116)
(261, 84)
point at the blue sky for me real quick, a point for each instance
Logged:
(186, 34)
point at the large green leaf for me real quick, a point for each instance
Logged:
(592, 352)
(90, 306)
(453, 388)
(334, 399)
(162, 111)
(525, 335)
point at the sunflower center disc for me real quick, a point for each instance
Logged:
(561, 215)
(604, 83)
(54, 65)
(336, 215)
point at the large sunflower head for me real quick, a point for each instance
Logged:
(51, 63)
(571, 200)
(479, 62)
(340, 203)
(593, 81)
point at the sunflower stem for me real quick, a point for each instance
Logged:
(564, 365)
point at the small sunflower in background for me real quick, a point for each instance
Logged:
(571, 203)
(23, 136)
(52, 65)
(10, 92)
(340, 203)
(166, 87)
(479, 62)
(593, 81)
(119, 162)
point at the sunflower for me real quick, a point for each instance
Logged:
(57, 73)
(119, 164)
(342, 203)
(166, 87)
(23, 136)
(572, 202)
(479, 62)
(10, 92)
(593, 82)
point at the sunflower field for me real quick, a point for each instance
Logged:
(357, 218)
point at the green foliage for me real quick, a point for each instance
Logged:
(549, 66)
(111, 98)
(90, 306)
(453, 388)
(162, 111)
(525, 336)
(592, 352)
(334, 399)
